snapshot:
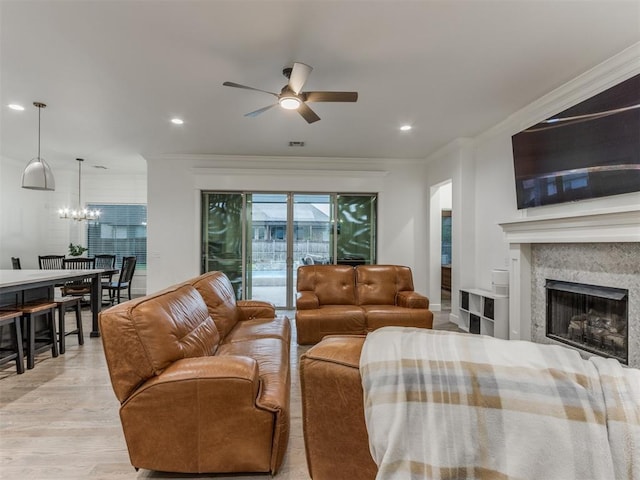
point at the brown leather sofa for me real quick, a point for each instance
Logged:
(340, 299)
(335, 434)
(203, 381)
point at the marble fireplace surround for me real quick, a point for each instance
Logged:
(601, 248)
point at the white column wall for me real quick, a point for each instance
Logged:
(454, 162)
(175, 183)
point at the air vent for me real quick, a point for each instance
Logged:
(296, 144)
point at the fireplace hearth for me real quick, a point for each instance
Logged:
(592, 318)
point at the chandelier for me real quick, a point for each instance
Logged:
(81, 214)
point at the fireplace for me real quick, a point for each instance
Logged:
(592, 318)
(594, 248)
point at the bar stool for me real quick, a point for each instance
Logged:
(12, 318)
(64, 304)
(30, 312)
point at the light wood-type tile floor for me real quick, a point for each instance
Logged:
(60, 420)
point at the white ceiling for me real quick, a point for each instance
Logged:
(113, 73)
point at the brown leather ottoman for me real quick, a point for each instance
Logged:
(335, 435)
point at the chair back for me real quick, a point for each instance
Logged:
(15, 263)
(126, 272)
(105, 261)
(78, 263)
(50, 262)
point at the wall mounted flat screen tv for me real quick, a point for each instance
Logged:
(589, 150)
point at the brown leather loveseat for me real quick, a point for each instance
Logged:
(345, 300)
(203, 381)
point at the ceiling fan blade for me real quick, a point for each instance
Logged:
(255, 113)
(237, 85)
(298, 77)
(309, 115)
(331, 96)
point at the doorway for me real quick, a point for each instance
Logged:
(440, 245)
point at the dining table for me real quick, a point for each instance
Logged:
(24, 285)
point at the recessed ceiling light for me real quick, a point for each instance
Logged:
(405, 128)
(177, 121)
(15, 106)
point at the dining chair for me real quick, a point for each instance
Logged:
(107, 261)
(78, 288)
(124, 280)
(50, 262)
(15, 263)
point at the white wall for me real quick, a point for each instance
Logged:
(175, 183)
(483, 180)
(29, 222)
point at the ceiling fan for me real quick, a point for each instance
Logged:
(291, 97)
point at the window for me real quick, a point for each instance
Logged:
(120, 230)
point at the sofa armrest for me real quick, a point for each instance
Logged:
(411, 300)
(307, 301)
(250, 309)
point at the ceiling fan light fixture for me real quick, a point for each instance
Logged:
(289, 103)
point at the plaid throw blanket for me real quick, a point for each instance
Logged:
(445, 405)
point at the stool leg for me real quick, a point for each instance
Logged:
(31, 342)
(61, 312)
(17, 339)
(79, 324)
(52, 331)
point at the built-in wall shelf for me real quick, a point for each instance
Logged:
(484, 312)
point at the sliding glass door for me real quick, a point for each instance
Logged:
(267, 258)
(313, 239)
(356, 229)
(260, 239)
(222, 234)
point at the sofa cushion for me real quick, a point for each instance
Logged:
(144, 336)
(313, 325)
(379, 284)
(332, 284)
(220, 298)
(384, 315)
(278, 327)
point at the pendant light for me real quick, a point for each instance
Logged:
(81, 214)
(37, 174)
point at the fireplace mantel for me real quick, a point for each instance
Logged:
(607, 226)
